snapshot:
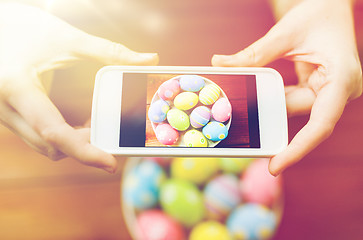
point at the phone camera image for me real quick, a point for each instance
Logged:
(189, 110)
(194, 111)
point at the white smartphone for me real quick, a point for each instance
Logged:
(189, 111)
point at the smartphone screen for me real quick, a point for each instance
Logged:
(140, 92)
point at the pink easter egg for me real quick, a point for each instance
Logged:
(221, 110)
(169, 89)
(166, 134)
(154, 224)
(258, 185)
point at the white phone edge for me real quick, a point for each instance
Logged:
(107, 92)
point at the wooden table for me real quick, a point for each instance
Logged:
(40, 199)
(234, 89)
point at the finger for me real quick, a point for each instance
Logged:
(87, 124)
(85, 134)
(268, 48)
(109, 52)
(326, 111)
(304, 70)
(40, 113)
(299, 100)
(17, 125)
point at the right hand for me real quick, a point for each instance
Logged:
(318, 35)
(32, 42)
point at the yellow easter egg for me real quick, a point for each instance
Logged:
(185, 100)
(196, 170)
(195, 138)
(209, 94)
(210, 230)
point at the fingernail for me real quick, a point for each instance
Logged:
(274, 173)
(221, 57)
(110, 169)
(220, 60)
(149, 59)
(149, 55)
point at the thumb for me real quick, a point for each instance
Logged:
(112, 53)
(270, 47)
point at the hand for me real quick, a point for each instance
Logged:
(319, 37)
(32, 42)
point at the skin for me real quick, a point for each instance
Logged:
(33, 42)
(318, 36)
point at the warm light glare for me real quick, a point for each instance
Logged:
(149, 19)
(49, 4)
(154, 23)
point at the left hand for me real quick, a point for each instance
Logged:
(32, 42)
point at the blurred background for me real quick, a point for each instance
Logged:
(41, 199)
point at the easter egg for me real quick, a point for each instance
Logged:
(196, 170)
(154, 224)
(178, 119)
(194, 138)
(169, 89)
(142, 183)
(210, 230)
(215, 131)
(221, 110)
(258, 185)
(209, 94)
(183, 201)
(251, 221)
(200, 116)
(161, 161)
(166, 134)
(158, 111)
(221, 195)
(191, 83)
(185, 100)
(235, 165)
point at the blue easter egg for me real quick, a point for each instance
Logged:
(158, 110)
(215, 131)
(191, 83)
(142, 184)
(251, 221)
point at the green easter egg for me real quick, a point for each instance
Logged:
(196, 170)
(235, 165)
(178, 119)
(183, 201)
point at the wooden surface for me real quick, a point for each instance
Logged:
(238, 134)
(41, 199)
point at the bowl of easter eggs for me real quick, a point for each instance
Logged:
(200, 198)
(190, 111)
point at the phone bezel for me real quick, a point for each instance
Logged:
(106, 112)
